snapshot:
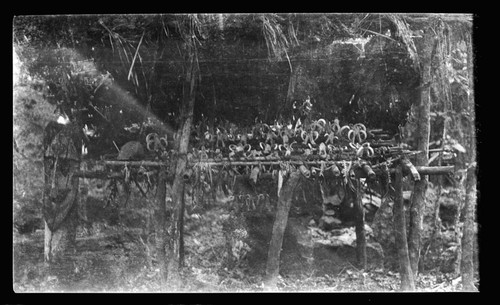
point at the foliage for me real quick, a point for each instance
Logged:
(144, 56)
(30, 115)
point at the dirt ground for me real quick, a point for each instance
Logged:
(108, 262)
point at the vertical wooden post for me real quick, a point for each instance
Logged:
(407, 281)
(187, 113)
(180, 223)
(422, 139)
(468, 237)
(360, 227)
(60, 194)
(160, 216)
(284, 203)
(62, 221)
(467, 263)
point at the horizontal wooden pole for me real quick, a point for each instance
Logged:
(435, 170)
(297, 158)
(256, 163)
(97, 175)
(134, 163)
(432, 170)
(422, 170)
(227, 161)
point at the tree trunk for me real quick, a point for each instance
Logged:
(284, 203)
(422, 140)
(468, 237)
(60, 194)
(177, 186)
(160, 217)
(407, 281)
(60, 238)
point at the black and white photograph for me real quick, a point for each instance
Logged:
(244, 153)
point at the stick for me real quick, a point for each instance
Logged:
(116, 146)
(135, 56)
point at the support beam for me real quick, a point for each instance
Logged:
(134, 163)
(467, 262)
(284, 203)
(161, 236)
(435, 170)
(360, 227)
(97, 175)
(432, 170)
(422, 170)
(405, 272)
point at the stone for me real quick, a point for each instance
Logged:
(132, 150)
(329, 222)
(329, 212)
(336, 249)
(382, 225)
(372, 199)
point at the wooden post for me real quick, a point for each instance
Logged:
(468, 237)
(284, 203)
(467, 263)
(187, 112)
(360, 227)
(180, 223)
(60, 193)
(160, 216)
(407, 281)
(422, 135)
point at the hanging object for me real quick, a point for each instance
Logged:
(280, 181)
(304, 171)
(254, 174)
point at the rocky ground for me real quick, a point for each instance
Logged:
(225, 252)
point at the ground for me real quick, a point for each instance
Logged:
(112, 259)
